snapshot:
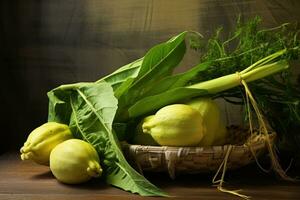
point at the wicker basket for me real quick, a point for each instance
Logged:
(176, 160)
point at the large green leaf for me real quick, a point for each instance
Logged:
(124, 176)
(93, 107)
(150, 104)
(163, 57)
(158, 63)
(59, 107)
(130, 70)
(122, 78)
(177, 80)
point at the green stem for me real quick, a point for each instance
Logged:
(264, 71)
(218, 84)
(265, 60)
(232, 80)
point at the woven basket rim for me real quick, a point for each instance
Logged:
(258, 139)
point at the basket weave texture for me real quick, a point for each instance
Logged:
(191, 160)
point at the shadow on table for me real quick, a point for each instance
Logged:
(247, 176)
(93, 184)
(43, 176)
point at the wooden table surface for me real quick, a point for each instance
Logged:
(28, 181)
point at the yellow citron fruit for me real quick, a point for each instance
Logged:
(144, 138)
(175, 125)
(215, 132)
(75, 161)
(42, 140)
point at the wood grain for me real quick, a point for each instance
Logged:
(29, 181)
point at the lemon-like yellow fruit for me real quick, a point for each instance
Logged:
(215, 132)
(175, 125)
(75, 161)
(42, 140)
(144, 138)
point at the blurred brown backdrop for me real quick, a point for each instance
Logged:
(51, 42)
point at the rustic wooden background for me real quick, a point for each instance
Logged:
(48, 43)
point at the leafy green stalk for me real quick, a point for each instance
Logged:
(150, 104)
